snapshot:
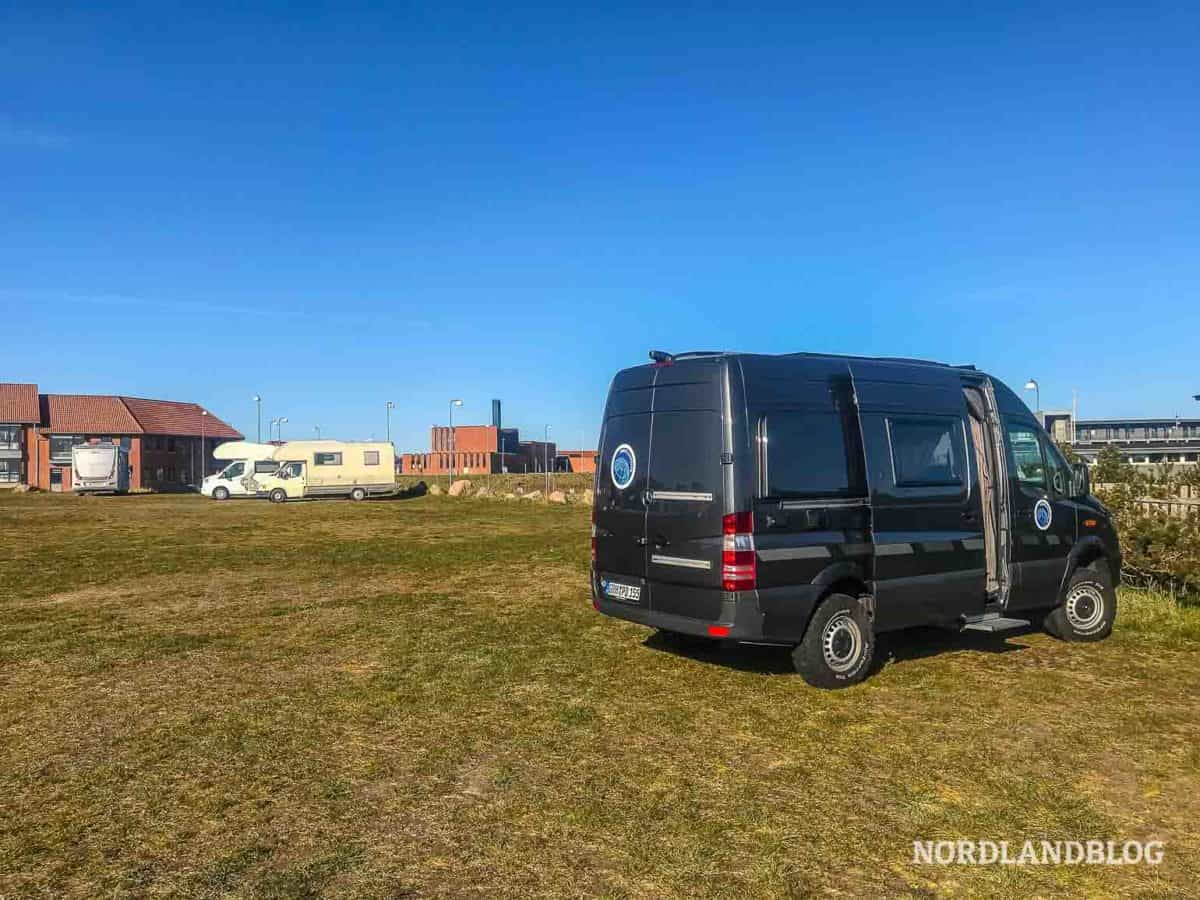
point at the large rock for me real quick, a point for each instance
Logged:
(585, 497)
(532, 495)
(484, 491)
(510, 496)
(460, 487)
(435, 489)
(558, 497)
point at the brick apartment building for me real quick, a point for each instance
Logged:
(170, 443)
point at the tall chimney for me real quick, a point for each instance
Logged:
(496, 413)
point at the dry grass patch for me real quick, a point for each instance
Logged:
(415, 698)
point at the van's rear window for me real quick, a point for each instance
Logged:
(808, 455)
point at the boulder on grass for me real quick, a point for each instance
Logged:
(484, 491)
(435, 489)
(557, 497)
(532, 495)
(460, 487)
(510, 496)
(585, 497)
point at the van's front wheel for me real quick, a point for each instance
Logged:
(278, 495)
(838, 646)
(221, 493)
(1088, 608)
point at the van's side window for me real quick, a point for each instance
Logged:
(234, 471)
(1028, 464)
(370, 457)
(265, 466)
(327, 459)
(807, 455)
(927, 451)
(1056, 467)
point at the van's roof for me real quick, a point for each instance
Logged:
(244, 450)
(702, 354)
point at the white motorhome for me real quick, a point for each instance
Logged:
(354, 469)
(248, 462)
(101, 468)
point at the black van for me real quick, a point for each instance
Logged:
(817, 501)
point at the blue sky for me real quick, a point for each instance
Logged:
(335, 207)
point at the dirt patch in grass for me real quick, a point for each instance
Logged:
(415, 698)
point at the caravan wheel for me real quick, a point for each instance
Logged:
(358, 494)
(278, 495)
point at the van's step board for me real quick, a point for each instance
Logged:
(992, 622)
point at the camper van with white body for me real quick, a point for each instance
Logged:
(354, 469)
(101, 468)
(248, 462)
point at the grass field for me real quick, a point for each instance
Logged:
(416, 698)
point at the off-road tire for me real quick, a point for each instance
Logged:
(1088, 609)
(221, 493)
(278, 495)
(838, 646)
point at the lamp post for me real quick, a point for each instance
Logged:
(282, 422)
(258, 403)
(546, 458)
(203, 461)
(389, 406)
(317, 429)
(1032, 385)
(453, 403)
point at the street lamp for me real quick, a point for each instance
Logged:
(546, 459)
(258, 402)
(453, 403)
(278, 424)
(203, 461)
(389, 406)
(1032, 385)
(317, 429)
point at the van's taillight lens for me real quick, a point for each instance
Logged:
(738, 560)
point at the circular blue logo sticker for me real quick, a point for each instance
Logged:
(1043, 514)
(623, 467)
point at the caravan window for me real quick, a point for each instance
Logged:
(265, 466)
(927, 451)
(370, 457)
(327, 459)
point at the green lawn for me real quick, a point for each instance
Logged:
(415, 697)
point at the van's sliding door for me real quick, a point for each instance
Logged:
(927, 519)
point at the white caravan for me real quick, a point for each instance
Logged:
(101, 468)
(354, 469)
(249, 462)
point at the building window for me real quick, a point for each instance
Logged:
(327, 459)
(370, 457)
(10, 437)
(170, 445)
(60, 447)
(10, 471)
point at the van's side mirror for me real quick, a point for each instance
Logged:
(1082, 479)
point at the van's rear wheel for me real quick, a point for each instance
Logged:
(278, 495)
(838, 646)
(358, 494)
(1088, 610)
(221, 493)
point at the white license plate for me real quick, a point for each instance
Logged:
(630, 593)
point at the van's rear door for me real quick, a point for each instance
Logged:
(621, 479)
(685, 494)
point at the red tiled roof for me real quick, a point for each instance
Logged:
(89, 414)
(175, 418)
(19, 403)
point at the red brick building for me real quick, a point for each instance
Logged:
(170, 444)
(577, 460)
(475, 449)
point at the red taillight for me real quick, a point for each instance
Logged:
(718, 630)
(738, 559)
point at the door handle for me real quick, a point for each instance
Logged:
(660, 542)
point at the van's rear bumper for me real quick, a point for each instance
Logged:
(739, 614)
